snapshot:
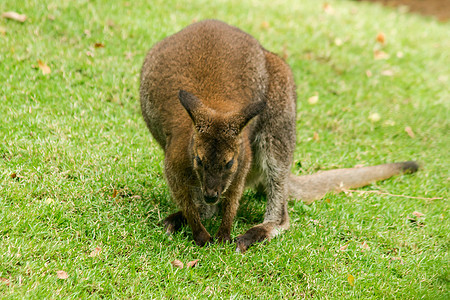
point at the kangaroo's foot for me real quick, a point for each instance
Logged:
(257, 234)
(174, 222)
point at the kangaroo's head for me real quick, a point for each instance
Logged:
(217, 144)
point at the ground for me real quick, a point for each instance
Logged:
(438, 8)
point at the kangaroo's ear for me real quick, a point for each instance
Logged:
(191, 103)
(251, 111)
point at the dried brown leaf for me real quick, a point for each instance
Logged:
(265, 25)
(12, 15)
(99, 45)
(13, 175)
(316, 136)
(95, 252)
(378, 54)
(62, 274)
(49, 201)
(177, 264)
(343, 247)
(374, 117)
(381, 38)
(313, 100)
(129, 55)
(387, 73)
(351, 279)
(410, 132)
(114, 195)
(365, 246)
(328, 9)
(418, 214)
(44, 68)
(397, 259)
(192, 263)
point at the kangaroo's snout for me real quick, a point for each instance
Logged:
(211, 196)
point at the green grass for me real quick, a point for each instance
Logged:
(74, 136)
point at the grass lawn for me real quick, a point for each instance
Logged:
(81, 180)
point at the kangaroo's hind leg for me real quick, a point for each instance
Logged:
(273, 148)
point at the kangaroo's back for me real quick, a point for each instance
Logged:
(220, 64)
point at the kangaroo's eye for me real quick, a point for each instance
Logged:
(229, 164)
(199, 161)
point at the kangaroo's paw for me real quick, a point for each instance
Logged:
(254, 235)
(202, 238)
(174, 222)
(223, 238)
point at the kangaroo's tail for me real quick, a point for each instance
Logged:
(313, 187)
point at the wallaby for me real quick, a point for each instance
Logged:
(223, 109)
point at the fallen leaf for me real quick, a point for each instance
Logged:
(351, 279)
(192, 263)
(313, 100)
(378, 54)
(387, 73)
(381, 38)
(4, 280)
(62, 274)
(49, 201)
(397, 258)
(95, 252)
(265, 25)
(374, 117)
(177, 264)
(13, 175)
(128, 55)
(110, 23)
(443, 78)
(328, 9)
(44, 68)
(99, 45)
(365, 246)
(284, 52)
(114, 193)
(316, 136)
(410, 132)
(344, 247)
(418, 214)
(389, 123)
(12, 15)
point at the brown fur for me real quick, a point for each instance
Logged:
(224, 111)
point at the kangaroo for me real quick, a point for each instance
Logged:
(223, 109)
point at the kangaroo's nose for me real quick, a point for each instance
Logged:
(211, 196)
